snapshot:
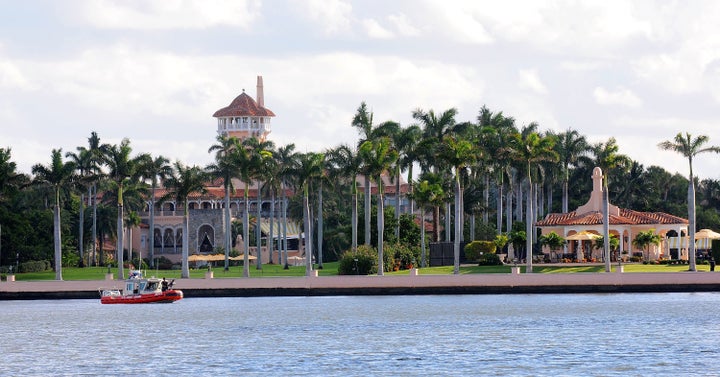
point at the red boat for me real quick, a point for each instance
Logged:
(140, 290)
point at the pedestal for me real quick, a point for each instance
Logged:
(314, 273)
(10, 278)
(620, 269)
(109, 276)
(209, 275)
(515, 270)
(413, 272)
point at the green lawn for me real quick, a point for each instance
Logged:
(330, 269)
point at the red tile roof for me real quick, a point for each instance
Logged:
(243, 105)
(626, 217)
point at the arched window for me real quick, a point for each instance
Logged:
(206, 237)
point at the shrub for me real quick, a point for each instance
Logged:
(34, 266)
(474, 249)
(163, 263)
(402, 256)
(490, 259)
(366, 263)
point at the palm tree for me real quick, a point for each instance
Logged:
(261, 152)
(225, 168)
(434, 129)
(569, 145)
(459, 154)
(607, 158)
(646, 238)
(121, 167)
(309, 168)
(379, 157)
(363, 121)
(157, 169)
(690, 147)
(84, 164)
(346, 163)
(94, 148)
(428, 193)
(287, 160)
(59, 175)
(530, 149)
(184, 181)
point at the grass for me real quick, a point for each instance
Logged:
(330, 269)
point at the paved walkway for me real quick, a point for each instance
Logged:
(393, 284)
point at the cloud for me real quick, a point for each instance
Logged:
(402, 24)
(374, 30)
(333, 16)
(529, 79)
(621, 96)
(169, 14)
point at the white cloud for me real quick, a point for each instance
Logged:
(529, 79)
(403, 25)
(621, 96)
(169, 14)
(332, 16)
(374, 30)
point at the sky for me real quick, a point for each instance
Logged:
(155, 71)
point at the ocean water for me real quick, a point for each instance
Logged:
(667, 334)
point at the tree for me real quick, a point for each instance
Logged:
(183, 181)
(309, 168)
(552, 240)
(260, 154)
(121, 167)
(363, 121)
(428, 193)
(690, 147)
(607, 158)
(225, 168)
(378, 157)
(59, 175)
(157, 169)
(569, 146)
(530, 149)
(84, 164)
(346, 163)
(646, 238)
(287, 160)
(97, 160)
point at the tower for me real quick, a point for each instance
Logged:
(245, 117)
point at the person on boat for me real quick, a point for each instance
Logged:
(164, 285)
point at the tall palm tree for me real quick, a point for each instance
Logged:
(261, 152)
(309, 169)
(569, 145)
(690, 147)
(94, 148)
(225, 168)
(434, 128)
(287, 160)
(459, 154)
(121, 167)
(428, 193)
(379, 156)
(156, 170)
(363, 121)
(347, 164)
(59, 175)
(84, 164)
(530, 149)
(607, 158)
(184, 181)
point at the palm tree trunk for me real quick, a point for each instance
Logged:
(368, 211)
(186, 239)
(565, 193)
(258, 230)
(306, 230)
(151, 226)
(320, 227)
(284, 228)
(422, 238)
(380, 227)
(486, 194)
(499, 208)
(397, 203)
(354, 219)
(411, 202)
(691, 225)
(270, 243)
(94, 227)
(246, 235)
(509, 211)
(436, 223)
(57, 237)
(606, 226)
(447, 222)
(529, 227)
(228, 233)
(119, 244)
(458, 214)
(81, 229)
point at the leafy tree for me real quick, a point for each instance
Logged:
(690, 147)
(646, 238)
(552, 240)
(224, 167)
(59, 175)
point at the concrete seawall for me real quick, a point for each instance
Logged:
(388, 285)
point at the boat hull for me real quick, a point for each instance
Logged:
(168, 296)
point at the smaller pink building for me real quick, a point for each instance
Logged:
(624, 223)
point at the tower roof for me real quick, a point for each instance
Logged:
(243, 105)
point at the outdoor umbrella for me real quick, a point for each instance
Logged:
(703, 237)
(580, 237)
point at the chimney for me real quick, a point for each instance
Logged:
(260, 96)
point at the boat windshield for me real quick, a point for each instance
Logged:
(152, 285)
